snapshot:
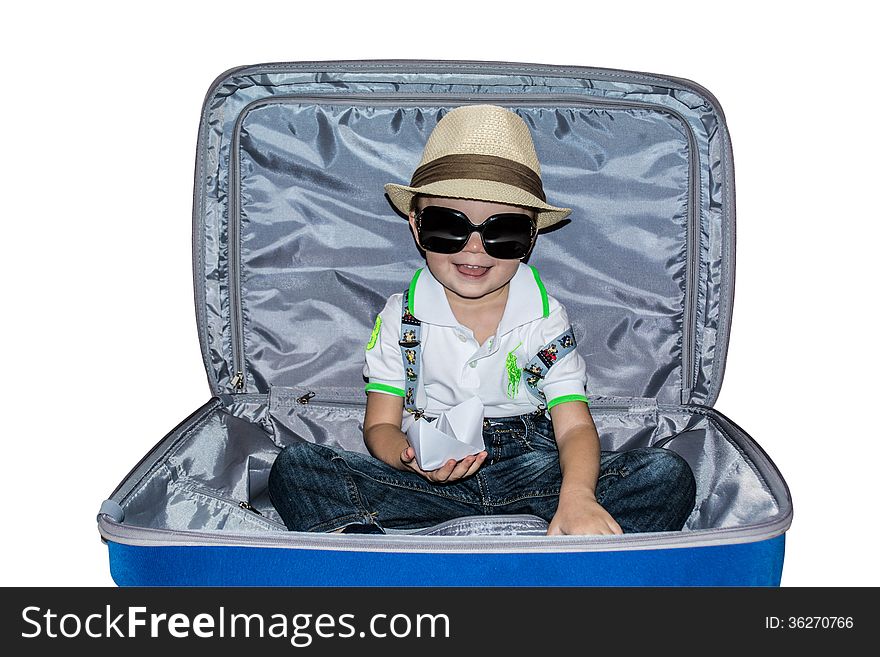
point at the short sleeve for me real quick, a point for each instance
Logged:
(383, 366)
(566, 379)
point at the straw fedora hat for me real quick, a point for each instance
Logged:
(482, 152)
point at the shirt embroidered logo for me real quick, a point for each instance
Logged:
(375, 335)
(513, 372)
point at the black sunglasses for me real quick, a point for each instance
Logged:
(505, 236)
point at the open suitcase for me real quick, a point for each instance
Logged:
(296, 248)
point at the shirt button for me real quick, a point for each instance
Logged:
(462, 337)
(473, 363)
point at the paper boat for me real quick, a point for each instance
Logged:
(455, 433)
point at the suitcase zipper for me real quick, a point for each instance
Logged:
(636, 406)
(241, 504)
(238, 381)
(411, 543)
(248, 507)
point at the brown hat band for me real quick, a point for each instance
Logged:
(479, 167)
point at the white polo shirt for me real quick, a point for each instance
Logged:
(454, 367)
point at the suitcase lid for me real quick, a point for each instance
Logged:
(296, 247)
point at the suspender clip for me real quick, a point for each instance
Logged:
(417, 413)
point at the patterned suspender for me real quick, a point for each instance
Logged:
(411, 352)
(537, 368)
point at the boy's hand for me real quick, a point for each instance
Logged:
(580, 513)
(450, 471)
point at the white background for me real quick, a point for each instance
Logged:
(101, 104)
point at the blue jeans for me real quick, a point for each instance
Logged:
(318, 488)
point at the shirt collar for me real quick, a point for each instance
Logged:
(526, 299)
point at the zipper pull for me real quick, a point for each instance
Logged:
(238, 381)
(305, 398)
(248, 507)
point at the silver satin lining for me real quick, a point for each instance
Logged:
(224, 459)
(320, 257)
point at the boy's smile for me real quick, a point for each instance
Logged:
(470, 274)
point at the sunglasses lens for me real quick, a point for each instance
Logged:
(508, 236)
(505, 236)
(443, 230)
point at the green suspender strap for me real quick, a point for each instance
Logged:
(537, 368)
(411, 352)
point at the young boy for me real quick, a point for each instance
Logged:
(478, 321)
